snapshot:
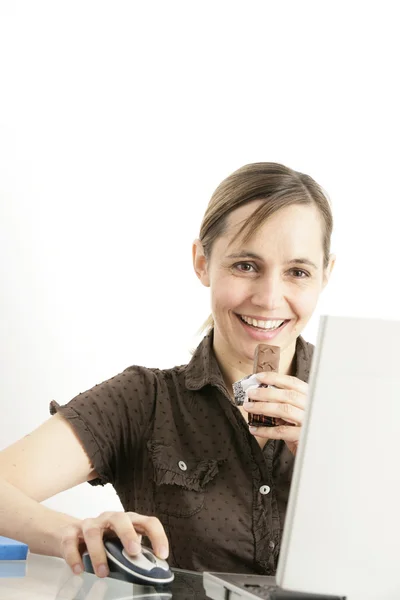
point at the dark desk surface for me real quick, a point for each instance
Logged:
(47, 578)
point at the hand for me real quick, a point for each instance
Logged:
(286, 402)
(129, 527)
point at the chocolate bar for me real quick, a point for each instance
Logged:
(266, 358)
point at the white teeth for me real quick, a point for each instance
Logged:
(270, 325)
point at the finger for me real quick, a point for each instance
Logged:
(93, 535)
(272, 394)
(283, 381)
(153, 529)
(287, 412)
(70, 548)
(286, 433)
(121, 524)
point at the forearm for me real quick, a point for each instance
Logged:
(28, 521)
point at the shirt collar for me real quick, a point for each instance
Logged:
(203, 368)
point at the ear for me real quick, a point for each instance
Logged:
(329, 269)
(200, 263)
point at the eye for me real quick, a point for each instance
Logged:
(300, 274)
(244, 267)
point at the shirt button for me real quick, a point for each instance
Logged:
(272, 545)
(264, 489)
(182, 465)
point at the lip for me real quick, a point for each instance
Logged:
(260, 335)
(261, 318)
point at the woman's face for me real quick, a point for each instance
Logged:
(266, 289)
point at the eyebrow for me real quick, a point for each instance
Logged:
(245, 254)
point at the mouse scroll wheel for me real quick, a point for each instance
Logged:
(149, 556)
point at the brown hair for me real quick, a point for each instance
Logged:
(278, 187)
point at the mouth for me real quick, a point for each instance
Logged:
(263, 325)
(262, 330)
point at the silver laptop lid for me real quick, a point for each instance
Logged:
(342, 530)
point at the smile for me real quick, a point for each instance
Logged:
(269, 325)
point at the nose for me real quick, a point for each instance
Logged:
(268, 292)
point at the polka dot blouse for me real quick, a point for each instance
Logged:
(173, 445)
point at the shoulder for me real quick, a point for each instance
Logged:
(152, 375)
(304, 355)
(309, 348)
(153, 381)
(304, 349)
(132, 386)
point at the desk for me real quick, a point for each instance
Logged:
(48, 578)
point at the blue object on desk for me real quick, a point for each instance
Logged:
(12, 550)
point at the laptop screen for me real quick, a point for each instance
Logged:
(342, 527)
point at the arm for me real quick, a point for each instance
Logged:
(49, 460)
(82, 442)
(28, 521)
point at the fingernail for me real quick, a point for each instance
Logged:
(252, 429)
(102, 571)
(77, 569)
(134, 548)
(163, 552)
(248, 405)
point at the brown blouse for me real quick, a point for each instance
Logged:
(173, 445)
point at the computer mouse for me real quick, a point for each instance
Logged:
(144, 568)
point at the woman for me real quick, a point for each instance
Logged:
(205, 489)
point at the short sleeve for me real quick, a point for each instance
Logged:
(111, 420)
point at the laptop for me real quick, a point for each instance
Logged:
(342, 529)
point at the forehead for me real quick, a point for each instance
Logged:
(293, 230)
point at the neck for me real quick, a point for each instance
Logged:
(234, 367)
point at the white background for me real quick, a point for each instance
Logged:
(118, 120)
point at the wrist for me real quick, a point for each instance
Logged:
(54, 531)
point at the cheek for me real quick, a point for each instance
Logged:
(227, 294)
(306, 301)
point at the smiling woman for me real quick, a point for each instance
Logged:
(193, 478)
(264, 250)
